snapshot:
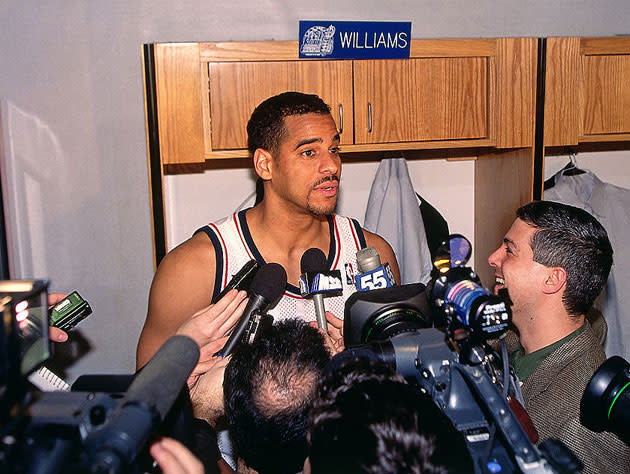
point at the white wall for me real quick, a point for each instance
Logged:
(73, 143)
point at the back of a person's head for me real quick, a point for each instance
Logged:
(571, 238)
(268, 389)
(367, 419)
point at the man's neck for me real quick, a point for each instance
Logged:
(282, 225)
(283, 237)
(541, 330)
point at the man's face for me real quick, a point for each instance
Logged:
(516, 270)
(307, 166)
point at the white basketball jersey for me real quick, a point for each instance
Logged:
(234, 247)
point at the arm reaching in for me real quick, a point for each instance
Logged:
(209, 328)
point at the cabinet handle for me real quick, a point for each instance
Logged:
(369, 118)
(340, 119)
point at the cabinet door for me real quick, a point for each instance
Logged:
(236, 88)
(587, 91)
(606, 94)
(422, 99)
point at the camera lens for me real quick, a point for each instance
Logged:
(605, 404)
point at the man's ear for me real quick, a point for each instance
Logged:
(555, 280)
(263, 163)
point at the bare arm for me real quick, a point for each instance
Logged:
(182, 286)
(384, 250)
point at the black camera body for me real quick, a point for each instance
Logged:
(451, 362)
(107, 425)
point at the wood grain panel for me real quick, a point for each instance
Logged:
(452, 47)
(249, 51)
(179, 107)
(606, 94)
(608, 45)
(237, 88)
(421, 99)
(503, 183)
(516, 86)
(562, 86)
(289, 50)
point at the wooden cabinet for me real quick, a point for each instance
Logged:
(421, 100)
(451, 93)
(587, 84)
(236, 88)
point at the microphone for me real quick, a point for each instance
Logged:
(144, 406)
(241, 279)
(267, 286)
(317, 280)
(373, 275)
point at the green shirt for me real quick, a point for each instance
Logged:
(524, 364)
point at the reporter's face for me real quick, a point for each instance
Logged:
(516, 270)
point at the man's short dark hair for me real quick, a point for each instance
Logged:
(268, 388)
(570, 238)
(368, 419)
(266, 129)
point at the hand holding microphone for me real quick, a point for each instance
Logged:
(209, 327)
(267, 286)
(317, 280)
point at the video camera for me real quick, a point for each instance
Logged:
(436, 337)
(88, 431)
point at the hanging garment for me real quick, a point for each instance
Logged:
(611, 206)
(393, 213)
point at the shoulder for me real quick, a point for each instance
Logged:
(384, 250)
(378, 242)
(190, 255)
(181, 286)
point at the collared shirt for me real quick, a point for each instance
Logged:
(524, 364)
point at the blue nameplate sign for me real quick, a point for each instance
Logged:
(355, 39)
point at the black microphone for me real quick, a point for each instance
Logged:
(317, 280)
(373, 275)
(145, 404)
(241, 280)
(267, 286)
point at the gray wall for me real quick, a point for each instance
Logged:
(73, 144)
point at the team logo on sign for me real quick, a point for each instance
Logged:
(318, 41)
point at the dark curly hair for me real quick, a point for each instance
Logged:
(265, 128)
(268, 388)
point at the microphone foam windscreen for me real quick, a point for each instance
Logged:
(313, 260)
(159, 382)
(269, 282)
(368, 259)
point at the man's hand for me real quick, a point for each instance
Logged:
(209, 328)
(334, 336)
(56, 334)
(207, 393)
(174, 458)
